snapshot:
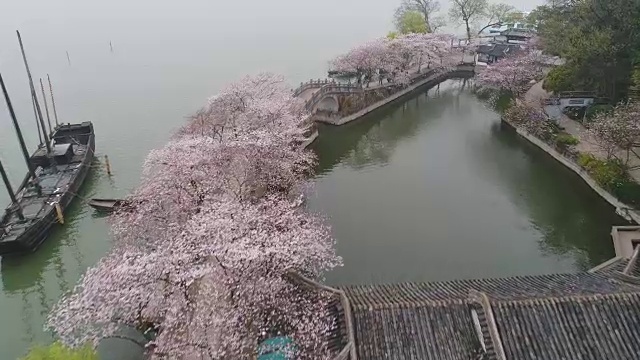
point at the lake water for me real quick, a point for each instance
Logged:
(136, 69)
(436, 189)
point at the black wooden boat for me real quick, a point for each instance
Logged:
(59, 175)
(108, 205)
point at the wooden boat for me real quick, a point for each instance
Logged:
(108, 205)
(59, 175)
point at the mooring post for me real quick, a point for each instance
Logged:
(59, 214)
(107, 164)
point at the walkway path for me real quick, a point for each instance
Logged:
(373, 84)
(588, 142)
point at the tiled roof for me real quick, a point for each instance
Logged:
(439, 331)
(511, 288)
(584, 327)
(532, 317)
(498, 50)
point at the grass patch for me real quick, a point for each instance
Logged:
(58, 351)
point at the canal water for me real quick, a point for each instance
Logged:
(136, 69)
(436, 189)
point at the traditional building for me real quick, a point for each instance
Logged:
(588, 315)
(491, 53)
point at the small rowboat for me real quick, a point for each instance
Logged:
(108, 205)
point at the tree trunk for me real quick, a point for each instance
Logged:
(426, 23)
(466, 22)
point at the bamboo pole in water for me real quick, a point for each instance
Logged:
(53, 101)
(46, 107)
(33, 94)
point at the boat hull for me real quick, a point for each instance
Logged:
(28, 236)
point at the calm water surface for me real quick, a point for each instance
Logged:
(169, 56)
(435, 189)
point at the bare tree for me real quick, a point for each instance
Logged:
(497, 14)
(427, 8)
(437, 22)
(467, 12)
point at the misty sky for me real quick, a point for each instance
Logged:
(169, 56)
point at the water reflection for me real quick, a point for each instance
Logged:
(537, 190)
(25, 271)
(33, 283)
(436, 189)
(370, 141)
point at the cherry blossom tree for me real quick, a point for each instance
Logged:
(513, 73)
(398, 58)
(365, 60)
(531, 118)
(201, 254)
(216, 288)
(618, 130)
(180, 177)
(255, 107)
(422, 49)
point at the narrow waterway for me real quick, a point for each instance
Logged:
(136, 69)
(437, 189)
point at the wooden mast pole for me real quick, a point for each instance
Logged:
(53, 101)
(12, 195)
(35, 116)
(23, 146)
(33, 94)
(46, 107)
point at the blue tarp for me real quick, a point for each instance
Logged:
(276, 348)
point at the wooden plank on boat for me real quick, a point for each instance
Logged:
(108, 205)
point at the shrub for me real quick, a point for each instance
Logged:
(606, 173)
(612, 175)
(566, 139)
(564, 142)
(594, 110)
(58, 351)
(559, 79)
(628, 192)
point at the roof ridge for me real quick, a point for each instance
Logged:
(631, 265)
(491, 323)
(567, 298)
(556, 275)
(404, 304)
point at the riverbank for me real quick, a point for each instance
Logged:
(429, 81)
(586, 146)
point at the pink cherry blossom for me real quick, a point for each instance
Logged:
(215, 288)
(618, 131)
(531, 118)
(201, 254)
(513, 73)
(396, 57)
(256, 107)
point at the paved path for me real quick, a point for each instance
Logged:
(588, 142)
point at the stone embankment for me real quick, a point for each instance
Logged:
(428, 81)
(314, 91)
(587, 145)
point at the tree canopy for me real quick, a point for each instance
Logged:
(426, 9)
(600, 41)
(411, 22)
